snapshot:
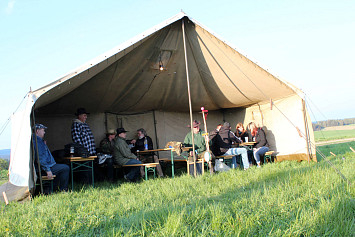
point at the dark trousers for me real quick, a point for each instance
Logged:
(133, 172)
(109, 163)
(62, 176)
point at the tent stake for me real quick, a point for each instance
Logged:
(189, 94)
(5, 198)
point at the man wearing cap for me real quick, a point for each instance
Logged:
(81, 132)
(107, 146)
(200, 145)
(123, 156)
(223, 141)
(47, 162)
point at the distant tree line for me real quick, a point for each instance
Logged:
(319, 125)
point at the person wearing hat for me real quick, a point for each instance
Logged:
(107, 146)
(223, 141)
(123, 156)
(200, 145)
(81, 132)
(47, 162)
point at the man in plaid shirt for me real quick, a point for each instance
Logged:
(81, 132)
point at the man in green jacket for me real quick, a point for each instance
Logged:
(200, 146)
(123, 156)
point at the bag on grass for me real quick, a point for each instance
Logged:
(220, 166)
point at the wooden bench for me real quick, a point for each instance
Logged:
(148, 167)
(46, 180)
(268, 155)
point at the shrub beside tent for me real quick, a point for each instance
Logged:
(126, 87)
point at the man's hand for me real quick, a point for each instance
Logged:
(49, 174)
(133, 141)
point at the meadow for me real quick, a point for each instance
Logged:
(281, 199)
(327, 135)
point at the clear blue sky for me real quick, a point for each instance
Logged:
(308, 43)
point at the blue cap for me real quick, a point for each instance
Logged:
(40, 126)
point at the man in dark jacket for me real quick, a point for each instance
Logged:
(107, 146)
(123, 156)
(222, 142)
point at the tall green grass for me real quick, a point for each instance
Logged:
(333, 135)
(337, 149)
(280, 199)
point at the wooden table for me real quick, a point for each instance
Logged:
(79, 164)
(248, 145)
(171, 155)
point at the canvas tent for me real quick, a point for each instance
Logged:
(125, 87)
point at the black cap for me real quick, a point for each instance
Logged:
(120, 130)
(81, 111)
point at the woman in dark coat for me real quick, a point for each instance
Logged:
(261, 144)
(242, 133)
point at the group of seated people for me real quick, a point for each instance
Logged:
(222, 138)
(124, 152)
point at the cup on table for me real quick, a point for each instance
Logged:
(246, 139)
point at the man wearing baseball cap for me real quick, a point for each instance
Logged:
(47, 162)
(200, 146)
(107, 146)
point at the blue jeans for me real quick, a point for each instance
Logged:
(238, 151)
(62, 176)
(260, 152)
(133, 172)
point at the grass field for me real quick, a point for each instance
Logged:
(337, 149)
(280, 199)
(333, 135)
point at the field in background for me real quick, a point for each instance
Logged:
(345, 127)
(328, 135)
(287, 198)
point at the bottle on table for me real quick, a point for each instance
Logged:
(145, 144)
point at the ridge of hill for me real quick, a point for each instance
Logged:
(319, 125)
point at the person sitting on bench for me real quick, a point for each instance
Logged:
(144, 142)
(107, 147)
(123, 156)
(261, 144)
(200, 146)
(47, 162)
(224, 140)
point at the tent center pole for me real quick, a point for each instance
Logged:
(189, 94)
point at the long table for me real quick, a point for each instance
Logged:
(172, 150)
(79, 164)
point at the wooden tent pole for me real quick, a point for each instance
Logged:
(189, 94)
(33, 151)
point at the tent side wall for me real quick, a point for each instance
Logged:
(280, 122)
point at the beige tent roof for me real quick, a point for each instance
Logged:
(128, 80)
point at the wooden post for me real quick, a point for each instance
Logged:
(189, 94)
(5, 198)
